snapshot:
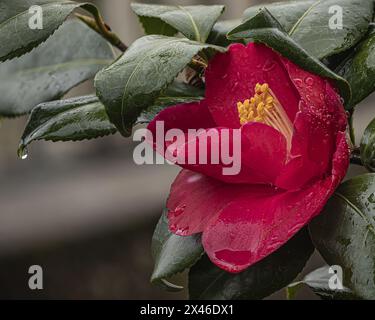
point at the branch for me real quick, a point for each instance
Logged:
(97, 23)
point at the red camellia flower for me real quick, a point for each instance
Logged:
(294, 154)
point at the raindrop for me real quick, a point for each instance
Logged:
(298, 82)
(269, 65)
(371, 198)
(22, 152)
(309, 81)
(178, 211)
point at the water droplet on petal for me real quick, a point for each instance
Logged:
(269, 65)
(298, 82)
(178, 211)
(309, 81)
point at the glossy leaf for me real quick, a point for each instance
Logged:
(344, 234)
(172, 254)
(264, 28)
(67, 120)
(133, 82)
(286, 12)
(17, 38)
(359, 69)
(368, 147)
(194, 22)
(72, 55)
(312, 23)
(218, 35)
(206, 281)
(176, 93)
(318, 282)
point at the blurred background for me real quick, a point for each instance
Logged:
(84, 211)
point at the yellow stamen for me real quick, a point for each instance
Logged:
(264, 107)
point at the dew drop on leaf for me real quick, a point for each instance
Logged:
(371, 198)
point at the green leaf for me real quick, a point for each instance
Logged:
(218, 35)
(307, 23)
(206, 281)
(344, 233)
(318, 282)
(194, 22)
(286, 12)
(17, 38)
(172, 254)
(176, 93)
(67, 120)
(313, 33)
(72, 55)
(133, 82)
(264, 28)
(368, 147)
(359, 69)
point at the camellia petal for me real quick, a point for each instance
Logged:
(253, 226)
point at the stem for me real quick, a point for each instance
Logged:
(97, 23)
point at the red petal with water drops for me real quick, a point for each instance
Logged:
(253, 226)
(320, 118)
(231, 77)
(196, 199)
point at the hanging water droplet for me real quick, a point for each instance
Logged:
(22, 152)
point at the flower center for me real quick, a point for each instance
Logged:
(265, 108)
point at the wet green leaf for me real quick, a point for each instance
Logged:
(172, 254)
(286, 12)
(17, 38)
(133, 82)
(264, 28)
(85, 117)
(218, 35)
(368, 147)
(344, 234)
(176, 93)
(206, 281)
(359, 69)
(312, 23)
(67, 120)
(318, 282)
(72, 55)
(194, 22)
